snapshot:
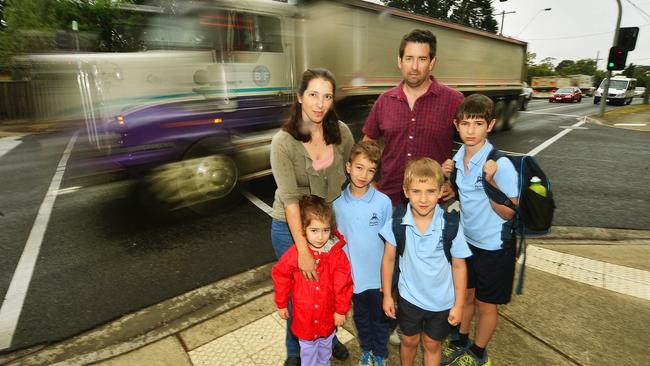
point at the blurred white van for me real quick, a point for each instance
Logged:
(621, 90)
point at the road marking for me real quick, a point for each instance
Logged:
(8, 143)
(550, 141)
(256, 201)
(15, 297)
(68, 190)
(548, 109)
(631, 124)
(555, 114)
(621, 279)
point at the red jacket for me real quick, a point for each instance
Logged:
(314, 302)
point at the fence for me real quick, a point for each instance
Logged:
(35, 100)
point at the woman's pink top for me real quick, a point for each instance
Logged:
(324, 162)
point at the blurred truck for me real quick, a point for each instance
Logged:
(543, 86)
(197, 111)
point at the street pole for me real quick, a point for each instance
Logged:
(503, 14)
(603, 97)
(647, 88)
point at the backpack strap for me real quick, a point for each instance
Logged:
(493, 192)
(452, 181)
(399, 231)
(450, 230)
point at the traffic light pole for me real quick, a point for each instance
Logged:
(603, 97)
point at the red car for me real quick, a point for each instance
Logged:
(569, 94)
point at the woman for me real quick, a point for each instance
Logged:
(307, 157)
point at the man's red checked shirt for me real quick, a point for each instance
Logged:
(427, 130)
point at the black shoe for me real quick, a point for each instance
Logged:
(292, 361)
(340, 352)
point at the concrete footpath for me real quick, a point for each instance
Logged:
(586, 301)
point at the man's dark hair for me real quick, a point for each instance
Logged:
(419, 36)
(476, 106)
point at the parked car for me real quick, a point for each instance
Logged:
(639, 91)
(568, 94)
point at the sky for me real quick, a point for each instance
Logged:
(574, 29)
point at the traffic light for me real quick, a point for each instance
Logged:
(627, 38)
(616, 59)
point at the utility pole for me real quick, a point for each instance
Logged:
(603, 98)
(503, 14)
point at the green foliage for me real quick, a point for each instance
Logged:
(570, 67)
(31, 26)
(638, 72)
(473, 13)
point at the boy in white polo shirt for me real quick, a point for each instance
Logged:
(431, 291)
(361, 211)
(490, 270)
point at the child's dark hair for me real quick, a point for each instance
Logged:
(476, 106)
(419, 36)
(314, 207)
(370, 149)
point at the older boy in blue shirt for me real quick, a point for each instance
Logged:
(490, 270)
(360, 212)
(431, 291)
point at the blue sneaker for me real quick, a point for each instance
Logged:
(366, 359)
(380, 361)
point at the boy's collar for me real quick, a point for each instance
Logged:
(410, 221)
(347, 193)
(478, 156)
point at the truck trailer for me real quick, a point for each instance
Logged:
(197, 111)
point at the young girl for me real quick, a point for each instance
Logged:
(318, 306)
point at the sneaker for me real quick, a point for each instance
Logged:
(395, 338)
(366, 359)
(292, 361)
(340, 352)
(450, 352)
(467, 358)
(380, 361)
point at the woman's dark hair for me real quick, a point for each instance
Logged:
(331, 130)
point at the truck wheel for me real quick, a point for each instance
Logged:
(596, 100)
(512, 113)
(500, 113)
(629, 101)
(202, 183)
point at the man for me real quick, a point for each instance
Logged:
(415, 118)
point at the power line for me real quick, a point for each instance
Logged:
(643, 13)
(581, 36)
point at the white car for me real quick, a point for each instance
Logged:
(526, 95)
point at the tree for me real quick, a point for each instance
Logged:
(564, 65)
(473, 13)
(544, 68)
(32, 25)
(476, 14)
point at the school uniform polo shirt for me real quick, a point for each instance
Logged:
(359, 220)
(426, 130)
(481, 223)
(425, 274)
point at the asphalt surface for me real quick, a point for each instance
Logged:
(103, 255)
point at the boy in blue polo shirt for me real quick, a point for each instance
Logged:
(360, 212)
(490, 270)
(431, 291)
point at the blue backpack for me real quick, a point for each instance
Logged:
(533, 214)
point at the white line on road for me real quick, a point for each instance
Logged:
(548, 109)
(555, 114)
(631, 124)
(256, 201)
(8, 143)
(550, 141)
(15, 297)
(68, 190)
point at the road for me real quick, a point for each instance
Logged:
(103, 255)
